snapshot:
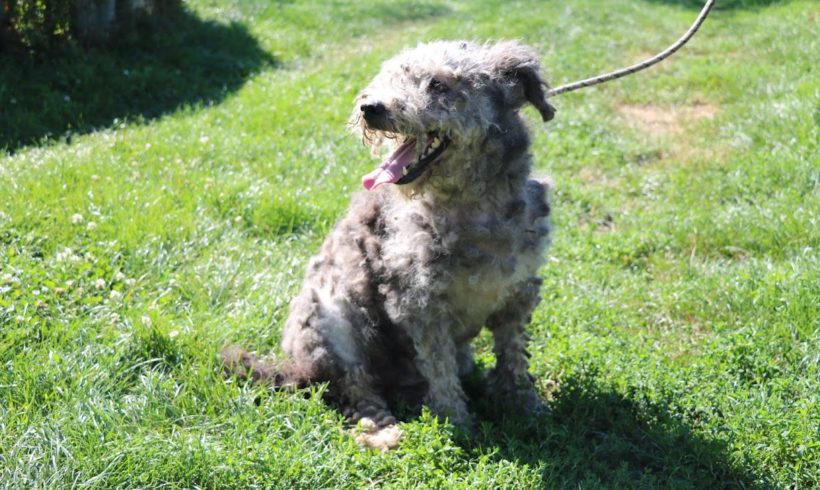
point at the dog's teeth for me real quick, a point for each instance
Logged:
(405, 170)
(436, 142)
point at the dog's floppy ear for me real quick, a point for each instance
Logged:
(515, 62)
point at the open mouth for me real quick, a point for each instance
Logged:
(404, 165)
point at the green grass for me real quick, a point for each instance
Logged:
(143, 227)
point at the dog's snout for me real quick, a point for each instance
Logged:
(374, 109)
(376, 115)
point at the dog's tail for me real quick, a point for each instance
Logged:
(239, 363)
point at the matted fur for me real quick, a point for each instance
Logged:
(412, 272)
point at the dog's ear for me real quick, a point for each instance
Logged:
(515, 62)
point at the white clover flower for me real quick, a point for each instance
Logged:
(91, 226)
(173, 334)
(146, 320)
(77, 218)
(7, 278)
(115, 295)
(119, 276)
(99, 283)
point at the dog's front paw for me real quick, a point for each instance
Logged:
(455, 412)
(516, 395)
(530, 402)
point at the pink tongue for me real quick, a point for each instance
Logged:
(391, 169)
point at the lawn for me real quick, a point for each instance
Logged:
(160, 200)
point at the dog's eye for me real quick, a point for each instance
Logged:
(437, 86)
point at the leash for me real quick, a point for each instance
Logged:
(569, 87)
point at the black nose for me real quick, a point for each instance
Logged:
(373, 109)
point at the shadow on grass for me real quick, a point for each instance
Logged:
(74, 90)
(722, 4)
(597, 438)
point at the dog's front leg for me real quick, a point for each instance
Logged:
(510, 380)
(436, 360)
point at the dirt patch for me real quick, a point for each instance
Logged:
(592, 175)
(660, 120)
(701, 110)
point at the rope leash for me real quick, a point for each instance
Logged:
(569, 87)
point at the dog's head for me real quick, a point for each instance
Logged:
(445, 107)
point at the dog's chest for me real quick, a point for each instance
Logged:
(488, 263)
(468, 262)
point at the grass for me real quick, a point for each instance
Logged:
(143, 227)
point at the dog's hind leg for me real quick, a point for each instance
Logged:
(322, 334)
(320, 343)
(510, 379)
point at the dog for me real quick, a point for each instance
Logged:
(447, 238)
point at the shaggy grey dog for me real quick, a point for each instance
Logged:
(447, 238)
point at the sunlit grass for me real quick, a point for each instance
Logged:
(677, 341)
